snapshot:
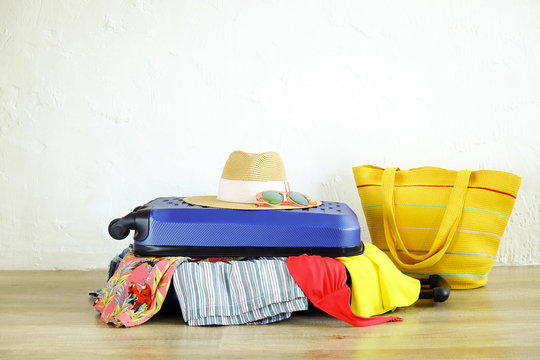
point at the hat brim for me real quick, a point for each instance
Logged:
(212, 201)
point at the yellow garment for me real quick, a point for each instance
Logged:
(377, 286)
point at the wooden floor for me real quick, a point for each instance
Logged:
(48, 314)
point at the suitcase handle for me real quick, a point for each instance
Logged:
(438, 290)
(136, 220)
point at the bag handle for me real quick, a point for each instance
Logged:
(447, 229)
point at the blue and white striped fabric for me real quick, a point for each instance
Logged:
(253, 291)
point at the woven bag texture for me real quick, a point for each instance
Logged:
(427, 225)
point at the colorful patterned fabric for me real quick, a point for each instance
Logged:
(137, 289)
(254, 291)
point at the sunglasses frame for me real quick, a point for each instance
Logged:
(287, 199)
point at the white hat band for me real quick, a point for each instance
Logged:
(244, 191)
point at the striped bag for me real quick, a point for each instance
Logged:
(435, 221)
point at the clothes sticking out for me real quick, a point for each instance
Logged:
(377, 285)
(137, 289)
(254, 291)
(324, 281)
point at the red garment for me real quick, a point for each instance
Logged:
(324, 281)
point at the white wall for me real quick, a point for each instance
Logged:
(105, 105)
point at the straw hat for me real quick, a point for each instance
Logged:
(245, 175)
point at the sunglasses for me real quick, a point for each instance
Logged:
(287, 197)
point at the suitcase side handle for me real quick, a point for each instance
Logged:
(438, 290)
(137, 220)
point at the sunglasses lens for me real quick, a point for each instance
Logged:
(272, 197)
(298, 198)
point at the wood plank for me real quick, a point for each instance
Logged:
(48, 314)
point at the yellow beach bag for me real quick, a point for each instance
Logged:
(435, 221)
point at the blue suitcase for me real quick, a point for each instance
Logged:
(168, 226)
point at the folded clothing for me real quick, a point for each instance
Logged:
(253, 291)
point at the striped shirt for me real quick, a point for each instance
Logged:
(253, 291)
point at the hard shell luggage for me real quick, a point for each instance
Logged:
(168, 226)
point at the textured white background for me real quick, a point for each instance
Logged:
(105, 105)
